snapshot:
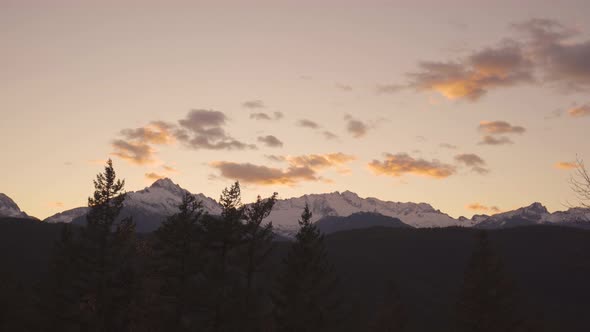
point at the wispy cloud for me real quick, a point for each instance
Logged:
(473, 161)
(308, 124)
(499, 127)
(448, 146)
(491, 140)
(356, 127)
(299, 169)
(270, 141)
(389, 88)
(566, 165)
(343, 87)
(152, 176)
(579, 111)
(397, 165)
(253, 104)
(266, 116)
(134, 152)
(481, 207)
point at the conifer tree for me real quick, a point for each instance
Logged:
(107, 277)
(179, 260)
(487, 302)
(390, 315)
(257, 238)
(303, 298)
(223, 238)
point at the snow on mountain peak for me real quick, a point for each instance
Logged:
(8, 208)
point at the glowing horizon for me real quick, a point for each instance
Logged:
(470, 106)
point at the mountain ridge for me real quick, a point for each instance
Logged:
(151, 205)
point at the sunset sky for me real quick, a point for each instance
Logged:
(471, 106)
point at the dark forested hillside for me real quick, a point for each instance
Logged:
(550, 267)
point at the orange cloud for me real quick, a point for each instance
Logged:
(300, 168)
(157, 132)
(400, 164)
(320, 161)
(472, 77)
(134, 152)
(56, 204)
(567, 165)
(154, 176)
(580, 111)
(263, 175)
(499, 127)
(481, 207)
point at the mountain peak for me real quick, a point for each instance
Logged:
(165, 183)
(537, 207)
(8, 208)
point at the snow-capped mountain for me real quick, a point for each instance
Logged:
(536, 214)
(149, 207)
(8, 208)
(286, 212)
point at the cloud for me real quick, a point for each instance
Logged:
(448, 146)
(579, 111)
(308, 124)
(562, 59)
(266, 116)
(472, 77)
(566, 165)
(329, 135)
(320, 161)
(299, 169)
(153, 176)
(481, 207)
(156, 132)
(56, 204)
(134, 152)
(270, 141)
(344, 87)
(203, 129)
(169, 169)
(389, 88)
(400, 164)
(499, 127)
(472, 161)
(263, 175)
(491, 140)
(543, 51)
(356, 127)
(253, 104)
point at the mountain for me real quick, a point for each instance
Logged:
(286, 212)
(148, 207)
(359, 220)
(152, 205)
(8, 208)
(536, 214)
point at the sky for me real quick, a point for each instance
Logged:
(471, 106)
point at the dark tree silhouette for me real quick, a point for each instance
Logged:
(257, 239)
(487, 302)
(390, 314)
(178, 258)
(107, 278)
(303, 299)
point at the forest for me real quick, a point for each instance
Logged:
(228, 272)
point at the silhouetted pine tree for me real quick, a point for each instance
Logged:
(487, 302)
(390, 314)
(108, 278)
(178, 261)
(257, 238)
(223, 279)
(304, 294)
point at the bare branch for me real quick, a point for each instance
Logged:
(580, 184)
